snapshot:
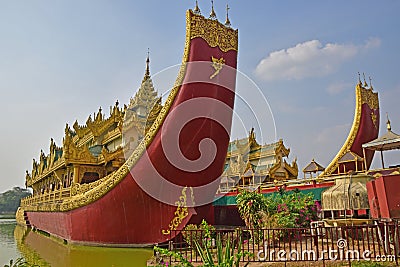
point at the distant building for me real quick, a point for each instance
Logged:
(249, 163)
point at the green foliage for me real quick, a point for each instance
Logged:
(183, 262)
(281, 210)
(226, 256)
(190, 234)
(20, 262)
(195, 233)
(250, 204)
(208, 229)
(11, 199)
(293, 209)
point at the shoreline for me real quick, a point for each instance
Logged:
(7, 215)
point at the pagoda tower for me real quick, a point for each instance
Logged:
(142, 111)
(146, 97)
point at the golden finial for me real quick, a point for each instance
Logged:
(370, 83)
(389, 127)
(212, 14)
(196, 10)
(359, 78)
(148, 63)
(365, 82)
(227, 21)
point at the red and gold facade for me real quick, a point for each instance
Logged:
(365, 128)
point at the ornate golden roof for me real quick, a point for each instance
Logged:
(313, 166)
(146, 96)
(98, 131)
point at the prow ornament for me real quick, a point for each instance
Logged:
(217, 65)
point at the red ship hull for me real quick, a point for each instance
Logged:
(157, 195)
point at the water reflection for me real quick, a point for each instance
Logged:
(45, 251)
(8, 248)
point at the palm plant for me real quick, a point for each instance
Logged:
(225, 256)
(20, 262)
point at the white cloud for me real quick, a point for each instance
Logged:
(335, 134)
(309, 59)
(337, 88)
(372, 43)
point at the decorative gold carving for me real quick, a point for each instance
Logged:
(108, 156)
(180, 213)
(374, 119)
(213, 32)
(370, 98)
(153, 114)
(73, 153)
(99, 125)
(82, 188)
(217, 65)
(81, 131)
(363, 96)
(20, 217)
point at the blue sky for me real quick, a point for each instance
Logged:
(61, 60)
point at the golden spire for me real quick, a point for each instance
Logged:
(365, 82)
(370, 83)
(148, 63)
(227, 21)
(196, 10)
(359, 78)
(389, 127)
(212, 14)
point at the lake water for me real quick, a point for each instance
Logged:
(17, 241)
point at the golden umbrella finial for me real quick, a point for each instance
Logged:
(370, 83)
(197, 9)
(148, 62)
(227, 21)
(212, 14)
(389, 127)
(365, 82)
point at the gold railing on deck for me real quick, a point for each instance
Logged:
(56, 196)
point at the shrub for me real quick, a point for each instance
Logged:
(280, 210)
(194, 233)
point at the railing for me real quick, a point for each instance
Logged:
(55, 196)
(378, 242)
